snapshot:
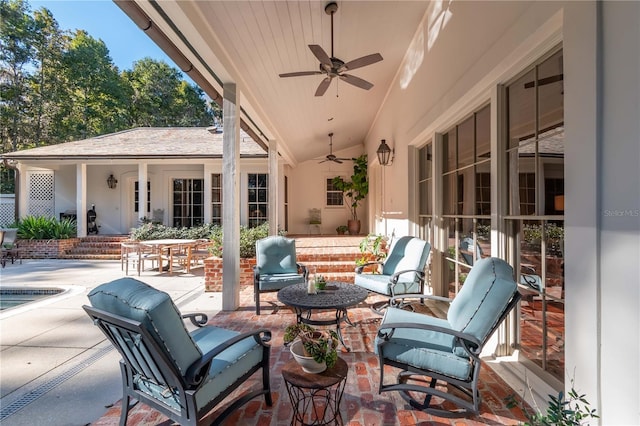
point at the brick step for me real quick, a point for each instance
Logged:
(80, 250)
(328, 267)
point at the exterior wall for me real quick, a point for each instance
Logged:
(449, 74)
(213, 273)
(307, 191)
(46, 249)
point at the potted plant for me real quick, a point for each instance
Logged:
(354, 190)
(320, 282)
(372, 248)
(342, 229)
(315, 350)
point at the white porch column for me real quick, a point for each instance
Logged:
(81, 199)
(231, 197)
(142, 192)
(207, 192)
(274, 178)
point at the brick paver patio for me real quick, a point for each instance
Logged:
(361, 404)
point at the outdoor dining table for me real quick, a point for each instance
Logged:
(170, 244)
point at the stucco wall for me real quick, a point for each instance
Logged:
(307, 191)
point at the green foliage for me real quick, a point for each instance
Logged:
(156, 231)
(60, 85)
(7, 180)
(372, 246)
(570, 409)
(321, 345)
(248, 236)
(45, 228)
(342, 229)
(356, 189)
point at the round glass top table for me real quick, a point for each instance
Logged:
(337, 295)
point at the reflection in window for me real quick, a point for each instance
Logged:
(535, 153)
(258, 198)
(216, 199)
(188, 202)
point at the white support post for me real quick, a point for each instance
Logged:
(231, 197)
(81, 199)
(273, 187)
(142, 192)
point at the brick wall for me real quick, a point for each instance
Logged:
(46, 249)
(213, 273)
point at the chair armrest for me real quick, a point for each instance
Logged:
(393, 300)
(465, 339)
(198, 319)
(394, 277)
(198, 370)
(360, 268)
(303, 270)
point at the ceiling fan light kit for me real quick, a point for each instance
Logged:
(332, 67)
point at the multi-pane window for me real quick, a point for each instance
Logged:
(136, 196)
(188, 202)
(334, 196)
(535, 221)
(216, 199)
(258, 198)
(466, 195)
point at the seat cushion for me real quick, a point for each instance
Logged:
(229, 365)
(278, 281)
(379, 283)
(156, 311)
(276, 255)
(423, 349)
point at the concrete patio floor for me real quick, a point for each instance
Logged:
(56, 367)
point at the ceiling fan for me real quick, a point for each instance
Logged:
(333, 67)
(330, 156)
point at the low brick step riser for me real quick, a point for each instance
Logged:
(325, 268)
(325, 258)
(90, 256)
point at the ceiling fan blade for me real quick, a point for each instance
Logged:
(299, 73)
(323, 161)
(356, 81)
(324, 85)
(337, 160)
(362, 62)
(322, 56)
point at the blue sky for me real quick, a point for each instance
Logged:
(102, 19)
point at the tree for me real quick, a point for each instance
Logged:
(16, 54)
(94, 87)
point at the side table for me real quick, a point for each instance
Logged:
(315, 398)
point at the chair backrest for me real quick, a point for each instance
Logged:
(10, 237)
(276, 255)
(154, 309)
(315, 216)
(408, 253)
(467, 252)
(485, 294)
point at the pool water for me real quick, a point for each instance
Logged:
(12, 297)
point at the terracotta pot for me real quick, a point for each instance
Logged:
(354, 227)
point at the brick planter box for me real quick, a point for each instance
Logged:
(213, 273)
(46, 249)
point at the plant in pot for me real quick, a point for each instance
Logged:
(320, 282)
(342, 229)
(315, 350)
(354, 190)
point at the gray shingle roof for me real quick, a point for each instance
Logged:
(144, 142)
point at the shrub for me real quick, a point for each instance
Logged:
(45, 228)
(248, 236)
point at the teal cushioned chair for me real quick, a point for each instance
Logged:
(183, 375)
(402, 270)
(276, 266)
(447, 350)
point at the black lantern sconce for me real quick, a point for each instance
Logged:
(112, 182)
(385, 154)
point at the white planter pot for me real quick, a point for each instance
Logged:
(308, 364)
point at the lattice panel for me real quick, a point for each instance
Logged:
(41, 193)
(7, 210)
